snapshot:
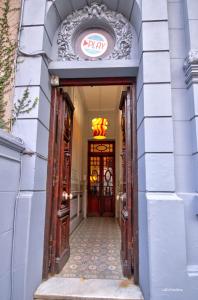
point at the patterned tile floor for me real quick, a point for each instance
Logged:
(95, 251)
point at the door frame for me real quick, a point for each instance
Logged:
(130, 81)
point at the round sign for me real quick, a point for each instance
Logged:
(94, 44)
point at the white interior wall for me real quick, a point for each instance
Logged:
(78, 142)
(82, 132)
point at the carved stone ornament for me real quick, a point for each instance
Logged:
(97, 16)
(54, 80)
(192, 58)
(191, 67)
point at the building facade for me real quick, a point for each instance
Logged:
(162, 57)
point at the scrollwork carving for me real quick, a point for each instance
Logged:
(191, 68)
(78, 19)
(192, 58)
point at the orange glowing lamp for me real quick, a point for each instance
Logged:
(99, 127)
(93, 179)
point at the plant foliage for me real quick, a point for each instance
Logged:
(7, 61)
(23, 105)
(7, 57)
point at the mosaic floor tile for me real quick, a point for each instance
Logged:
(95, 251)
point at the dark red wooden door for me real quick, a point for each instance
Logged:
(129, 209)
(59, 179)
(101, 179)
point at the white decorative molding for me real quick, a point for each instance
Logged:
(54, 80)
(191, 68)
(99, 16)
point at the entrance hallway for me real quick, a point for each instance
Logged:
(95, 250)
(94, 269)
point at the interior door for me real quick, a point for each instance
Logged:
(101, 179)
(107, 187)
(59, 179)
(129, 204)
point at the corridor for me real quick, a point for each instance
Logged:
(93, 270)
(95, 250)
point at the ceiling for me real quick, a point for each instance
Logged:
(100, 98)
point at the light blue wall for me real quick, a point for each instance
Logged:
(10, 162)
(189, 117)
(167, 140)
(33, 128)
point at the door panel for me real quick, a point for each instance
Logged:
(129, 204)
(94, 186)
(63, 213)
(107, 187)
(126, 223)
(59, 167)
(135, 233)
(101, 179)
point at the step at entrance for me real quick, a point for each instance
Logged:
(58, 288)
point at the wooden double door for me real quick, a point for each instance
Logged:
(101, 179)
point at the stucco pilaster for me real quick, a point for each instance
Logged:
(183, 79)
(154, 73)
(33, 128)
(156, 157)
(191, 70)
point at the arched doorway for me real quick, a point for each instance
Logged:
(153, 81)
(41, 66)
(94, 34)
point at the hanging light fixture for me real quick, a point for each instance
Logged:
(99, 124)
(99, 127)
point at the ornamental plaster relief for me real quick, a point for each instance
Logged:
(191, 67)
(98, 16)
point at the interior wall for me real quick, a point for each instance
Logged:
(114, 133)
(82, 133)
(78, 143)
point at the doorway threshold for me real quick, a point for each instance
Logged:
(57, 288)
